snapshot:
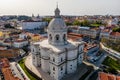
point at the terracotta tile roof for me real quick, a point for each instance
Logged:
(3, 48)
(105, 76)
(106, 30)
(74, 36)
(1, 38)
(20, 40)
(111, 77)
(94, 28)
(7, 71)
(31, 21)
(115, 34)
(89, 46)
(118, 78)
(8, 74)
(10, 53)
(4, 63)
(36, 35)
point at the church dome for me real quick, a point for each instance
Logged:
(57, 30)
(57, 24)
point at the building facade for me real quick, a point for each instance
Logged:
(57, 55)
(26, 25)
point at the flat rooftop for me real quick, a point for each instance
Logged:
(58, 49)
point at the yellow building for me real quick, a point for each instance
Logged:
(5, 33)
(35, 37)
(1, 33)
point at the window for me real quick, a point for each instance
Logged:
(64, 37)
(57, 37)
(50, 37)
(53, 68)
(33, 50)
(80, 57)
(80, 49)
(61, 68)
(61, 59)
(53, 59)
(34, 57)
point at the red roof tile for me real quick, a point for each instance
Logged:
(115, 33)
(105, 76)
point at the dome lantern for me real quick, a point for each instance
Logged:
(57, 12)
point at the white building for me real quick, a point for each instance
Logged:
(57, 56)
(20, 43)
(112, 22)
(89, 32)
(32, 25)
(105, 33)
(23, 35)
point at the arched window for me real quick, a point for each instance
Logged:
(61, 59)
(53, 59)
(50, 37)
(61, 68)
(53, 68)
(33, 50)
(57, 37)
(64, 37)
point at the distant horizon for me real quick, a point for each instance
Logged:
(67, 7)
(53, 15)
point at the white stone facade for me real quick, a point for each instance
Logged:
(57, 56)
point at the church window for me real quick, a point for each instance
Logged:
(64, 37)
(34, 57)
(61, 68)
(33, 50)
(53, 68)
(61, 59)
(50, 37)
(80, 57)
(57, 37)
(53, 59)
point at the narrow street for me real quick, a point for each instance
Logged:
(99, 62)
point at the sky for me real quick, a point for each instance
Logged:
(67, 7)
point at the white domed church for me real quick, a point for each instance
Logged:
(57, 55)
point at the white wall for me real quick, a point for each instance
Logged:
(45, 59)
(20, 44)
(32, 25)
(71, 66)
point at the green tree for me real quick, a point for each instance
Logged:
(8, 26)
(68, 23)
(47, 19)
(86, 23)
(76, 22)
(116, 29)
